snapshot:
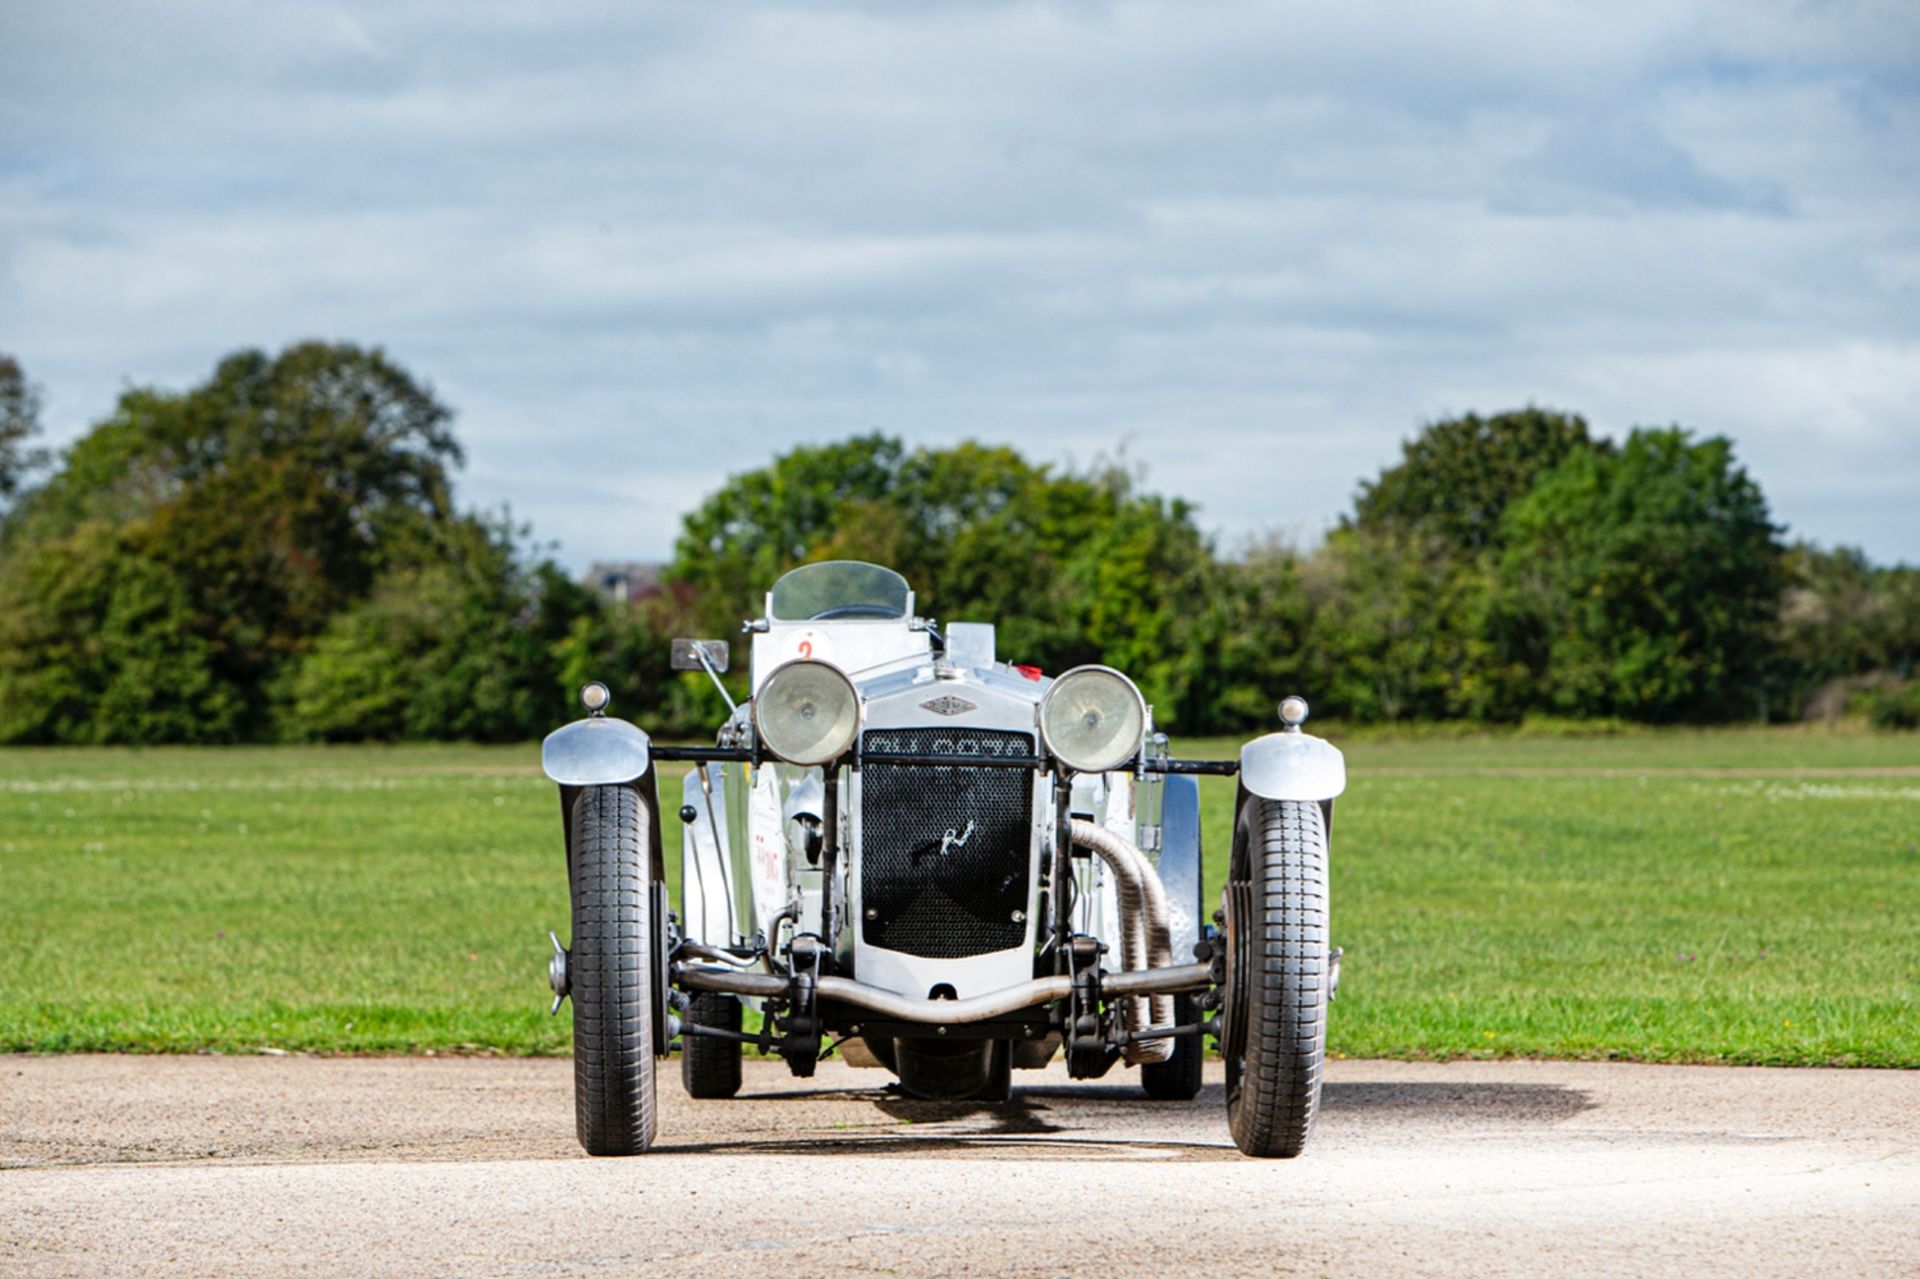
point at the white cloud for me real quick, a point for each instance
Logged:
(640, 248)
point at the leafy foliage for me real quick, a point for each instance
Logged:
(1842, 618)
(1072, 567)
(1456, 478)
(101, 642)
(1894, 708)
(1645, 582)
(271, 495)
(459, 643)
(19, 423)
(275, 554)
(166, 583)
(1404, 630)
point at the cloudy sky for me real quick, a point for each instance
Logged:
(1248, 246)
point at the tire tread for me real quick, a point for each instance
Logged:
(710, 1068)
(1272, 1109)
(1178, 1077)
(611, 974)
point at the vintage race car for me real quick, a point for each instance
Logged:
(941, 865)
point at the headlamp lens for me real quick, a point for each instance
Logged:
(1092, 719)
(807, 713)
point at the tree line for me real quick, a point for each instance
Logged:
(276, 555)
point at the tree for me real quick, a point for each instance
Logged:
(1410, 619)
(1071, 567)
(629, 649)
(1843, 622)
(373, 443)
(99, 643)
(256, 506)
(1266, 629)
(1457, 477)
(762, 522)
(19, 423)
(465, 641)
(275, 553)
(1645, 583)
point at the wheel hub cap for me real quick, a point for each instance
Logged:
(557, 980)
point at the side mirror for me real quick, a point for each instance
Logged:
(687, 654)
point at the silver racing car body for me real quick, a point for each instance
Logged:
(941, 865)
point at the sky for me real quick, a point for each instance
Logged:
(1247, 249)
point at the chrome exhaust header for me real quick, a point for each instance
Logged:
(1145, 941)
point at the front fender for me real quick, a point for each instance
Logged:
(595, 752)
(1292, 766)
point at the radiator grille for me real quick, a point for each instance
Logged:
(945, 850)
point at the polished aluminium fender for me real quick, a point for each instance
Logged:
(595, 752)
(1292, 765)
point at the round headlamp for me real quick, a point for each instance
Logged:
(807, 712)
(1092, 719)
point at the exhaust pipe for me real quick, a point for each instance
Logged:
(944, 1012)
(1146, 940)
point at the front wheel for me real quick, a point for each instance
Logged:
(610, 971)
(1277, 981)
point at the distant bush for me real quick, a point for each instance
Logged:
(1556, 726)
(1891, 709)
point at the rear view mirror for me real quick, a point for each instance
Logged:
(688, 652)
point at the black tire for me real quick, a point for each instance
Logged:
(999, 1085)
(710, 1068)
(1178, 1077)
(1277, 986)
(948, 1070)
(610, 973)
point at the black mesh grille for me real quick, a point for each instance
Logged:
(944, 850)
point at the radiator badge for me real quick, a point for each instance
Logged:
(948, 705)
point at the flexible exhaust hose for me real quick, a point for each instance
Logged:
(1146, 938)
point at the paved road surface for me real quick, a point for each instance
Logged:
(202, 1165)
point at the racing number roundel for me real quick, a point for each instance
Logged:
(808, 646)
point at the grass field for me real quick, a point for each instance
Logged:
(1739, 896)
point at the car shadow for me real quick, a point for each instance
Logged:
(1036, 1123)
(1078, 1121)
(1474, 1103)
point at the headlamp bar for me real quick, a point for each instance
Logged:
(1036, 763)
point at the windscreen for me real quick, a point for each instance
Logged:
(840, 589)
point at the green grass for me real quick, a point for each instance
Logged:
(1740, 896)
